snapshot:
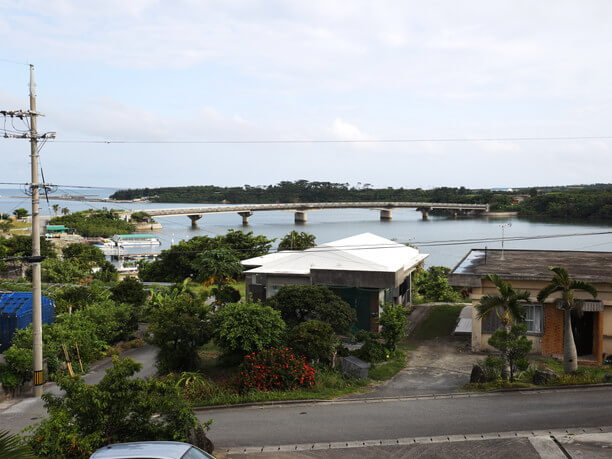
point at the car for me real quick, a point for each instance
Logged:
(150, 450)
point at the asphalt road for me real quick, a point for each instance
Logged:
(396, 418)
(31, 410)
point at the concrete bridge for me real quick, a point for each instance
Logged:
(300, 209)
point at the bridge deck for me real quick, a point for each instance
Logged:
(305, 206)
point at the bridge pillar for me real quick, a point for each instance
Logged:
(425, 213)
(386, 215)
(300, 217)
(245, 217)
(194, 219)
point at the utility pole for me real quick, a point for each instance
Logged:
(36, 257)
(503, 227)
(36, 268)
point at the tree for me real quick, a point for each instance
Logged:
(313, 339)
(12, 446)
(218, 265)
(240, 328)
(432, 285)
(65, 210)
(393, 320)
(562, 283)
(58, 271)
(180, 324)
(245, 245)
(513, 346)
(299, 303)
(86, 254)
(5, 226)
(129, 290)
(297, 241)
(55, 208)
(119, 408)
(508, 305)
(20, 213)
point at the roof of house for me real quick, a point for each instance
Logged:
(363, 252)
(533, 265)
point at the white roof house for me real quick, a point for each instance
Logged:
(365, 270)
(363, 252)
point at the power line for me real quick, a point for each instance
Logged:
(317, 141)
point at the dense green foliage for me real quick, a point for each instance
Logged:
(180, 323)
(393, 320)
(514, 347)
(117, 409)
(297, 241)
(21, 246)
(84, 253)
(432, 285)
(299, 303)
(129, 290)
(313, 339)
(585, 201)
(20, 213)
(74, 297)
(240, 328)
(94, 223)
(373, 350)
(596, 204)
(179, 262)
(92, 328)
(11, 446)
(440, 321)
(217, 266)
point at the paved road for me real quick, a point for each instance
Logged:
(396, 418)
(30, 410)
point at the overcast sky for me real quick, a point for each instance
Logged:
(318, 69)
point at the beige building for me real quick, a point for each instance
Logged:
(529, 270)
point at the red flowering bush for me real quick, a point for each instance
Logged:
(275, 369)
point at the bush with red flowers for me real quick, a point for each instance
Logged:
(275, 369)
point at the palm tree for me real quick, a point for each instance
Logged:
(65, 210)
(55, 208)
(563, 283)
(508, 305)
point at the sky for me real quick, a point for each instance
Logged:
(230, 70)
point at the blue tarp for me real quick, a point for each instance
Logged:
(16, 314)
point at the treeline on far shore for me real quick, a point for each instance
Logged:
(580, 201)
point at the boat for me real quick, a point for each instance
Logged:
(125, 240)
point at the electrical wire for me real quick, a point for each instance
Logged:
(317, 141)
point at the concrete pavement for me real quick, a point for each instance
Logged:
(21, 413)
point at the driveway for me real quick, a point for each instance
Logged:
(437, 366)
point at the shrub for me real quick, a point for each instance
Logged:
(514, 347)
(275, 369)
(373, 350)
(313, 339)
(247, 327)
(393, 320)
(129, 290)
(226, 294)
(179, 325)
(492, 367)
(299, 303)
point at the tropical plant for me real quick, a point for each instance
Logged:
(12, 446)
(508, 304)
(218, 266)
(55, 208)
(562, 283)
(297, 241)
(240, 328)
(513, 346)
(129, 290)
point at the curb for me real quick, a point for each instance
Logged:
(464, 394)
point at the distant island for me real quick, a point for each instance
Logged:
(575, 201)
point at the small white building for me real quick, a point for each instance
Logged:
(365, 270)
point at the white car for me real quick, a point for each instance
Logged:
(151, 450)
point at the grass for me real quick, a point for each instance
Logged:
(440, 321)
(397, 362)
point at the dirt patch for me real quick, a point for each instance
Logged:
(448, 353)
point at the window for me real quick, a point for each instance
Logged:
(533, 318)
